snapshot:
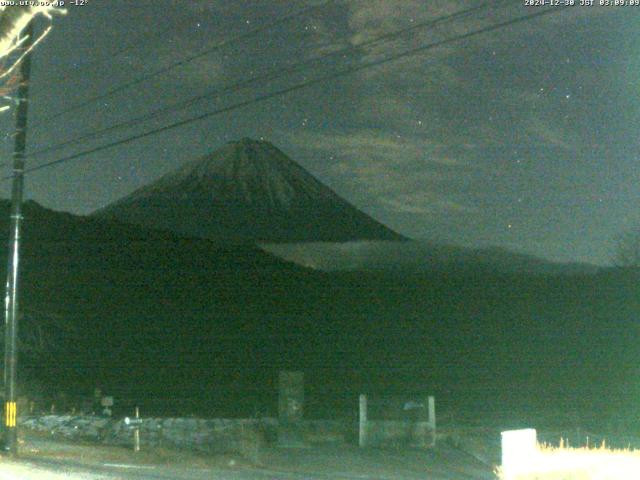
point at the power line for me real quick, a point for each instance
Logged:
(293, 88)
(134, 45)
(272, 74)
(180, 63)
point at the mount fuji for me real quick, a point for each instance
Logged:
(246, 191)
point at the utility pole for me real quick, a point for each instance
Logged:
(11, 299)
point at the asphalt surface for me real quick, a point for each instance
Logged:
(52, 460)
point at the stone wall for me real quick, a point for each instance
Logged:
(244, 436)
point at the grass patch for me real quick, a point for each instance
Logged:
(582, 463)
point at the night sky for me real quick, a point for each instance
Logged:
(525, 137)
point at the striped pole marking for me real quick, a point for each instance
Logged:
(10, 414)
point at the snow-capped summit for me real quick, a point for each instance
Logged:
(246, 191)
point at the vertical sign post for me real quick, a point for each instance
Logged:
(290, 409)
(431, 419)
(362, 424)
(136, 432)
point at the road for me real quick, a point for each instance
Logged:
(54, 460)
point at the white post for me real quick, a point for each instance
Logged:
(519, 451)
(136, 433)
(362, 437)
(431, 408)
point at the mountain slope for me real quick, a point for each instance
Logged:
(105, 299)
(416, 256)
(161, 319)
(246, 191)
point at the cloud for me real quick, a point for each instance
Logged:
(375, 17)
(392, 150)
(175, 49)
(370, 19)
(425, 23)
(204, 72)
(396, 174)
(436, 90)
(425, 203)
(421, 125)
(540, 119)
(203, 7)
(323, 35)
(550, 134)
